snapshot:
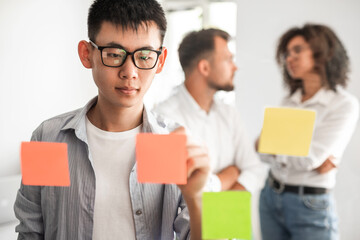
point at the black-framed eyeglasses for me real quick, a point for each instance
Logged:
(295, 51)
(116, 57)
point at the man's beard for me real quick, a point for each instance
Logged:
(226, 87)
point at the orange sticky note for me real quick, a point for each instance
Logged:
(44, 164)
(161, 158)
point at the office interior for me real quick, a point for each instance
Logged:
(41, 75)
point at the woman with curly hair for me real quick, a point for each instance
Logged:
(297, 201)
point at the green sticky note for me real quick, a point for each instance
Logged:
(287, 131)
(226, 215)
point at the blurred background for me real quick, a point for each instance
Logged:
(41, 75)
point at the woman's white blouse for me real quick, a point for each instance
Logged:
(337, 114)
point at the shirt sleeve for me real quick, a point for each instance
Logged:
(252, 171)
(331, 137)
(27, 209)
(182, 221)
(213, 184)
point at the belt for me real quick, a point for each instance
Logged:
(280, 187)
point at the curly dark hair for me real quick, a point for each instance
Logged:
(331, 59)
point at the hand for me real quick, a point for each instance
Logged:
(257, 144)
(238, 187)
(198, 168)
(326, 166)
(228, 177)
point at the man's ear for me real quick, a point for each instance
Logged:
(161, 60)
(84, 53)
(203, 67)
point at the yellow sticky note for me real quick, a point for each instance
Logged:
(287, 131)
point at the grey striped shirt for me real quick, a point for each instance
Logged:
(67, 212)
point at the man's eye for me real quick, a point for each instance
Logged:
(113, 55)
(144, 57)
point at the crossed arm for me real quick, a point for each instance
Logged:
(325, 167)
(228, 178)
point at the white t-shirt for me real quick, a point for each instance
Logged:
(336, 116)
(113, 157)
(221, 130)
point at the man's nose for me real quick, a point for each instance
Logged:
(128, 70)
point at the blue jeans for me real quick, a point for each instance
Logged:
(294, 216)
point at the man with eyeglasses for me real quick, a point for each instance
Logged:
(105, 200)
(209, 67)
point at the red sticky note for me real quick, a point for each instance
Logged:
(44, 164)
(161, 158)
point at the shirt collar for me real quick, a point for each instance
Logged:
(191, 103)
(78, 122)
(151, 124)
(323, 96)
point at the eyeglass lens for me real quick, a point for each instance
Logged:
(295, 51)
(114, 57)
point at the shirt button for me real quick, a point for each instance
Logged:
(138, 212)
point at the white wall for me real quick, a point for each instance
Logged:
(259, 83)
(40, 76)
(40, 73)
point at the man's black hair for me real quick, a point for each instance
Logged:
(126, 14)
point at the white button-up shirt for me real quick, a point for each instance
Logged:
(221, 130)
(336, 118)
